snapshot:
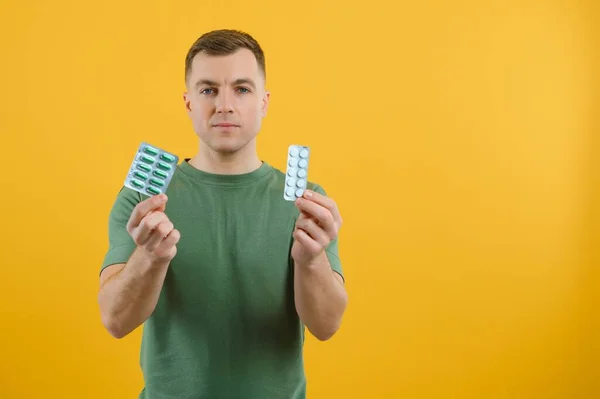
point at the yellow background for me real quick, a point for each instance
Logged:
(460, 139)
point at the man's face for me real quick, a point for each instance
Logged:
(226, 99)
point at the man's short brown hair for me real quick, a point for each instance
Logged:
(224, 42)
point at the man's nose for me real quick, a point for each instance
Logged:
(224, 102)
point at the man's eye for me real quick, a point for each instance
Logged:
(206, 91)
(244, 90)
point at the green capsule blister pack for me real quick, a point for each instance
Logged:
(151, 170)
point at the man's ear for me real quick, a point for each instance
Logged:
(186, 100)
(265, 103)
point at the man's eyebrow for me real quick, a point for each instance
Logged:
(237, 82)
(205, 82)
(244, 81)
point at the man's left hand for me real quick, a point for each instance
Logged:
(317, 226)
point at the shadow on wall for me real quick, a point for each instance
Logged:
(591, 345)
(595, 212)
(593, 250)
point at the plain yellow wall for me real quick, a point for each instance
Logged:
(460, 139)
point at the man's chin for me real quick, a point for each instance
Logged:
(227, 145)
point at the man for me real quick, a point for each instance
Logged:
(226, 274)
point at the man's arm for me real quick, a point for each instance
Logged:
(129, 292)
(319, 292)
(320, 297)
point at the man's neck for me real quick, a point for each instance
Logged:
(246, 160)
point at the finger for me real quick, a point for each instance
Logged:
(157, 202)
(315, 231)
(303, 238)
(325, 202)
(158, 235)
(149, 223)
(321, 214)
(168, 243)
(303, 215)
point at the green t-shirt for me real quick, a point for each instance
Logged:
(225, 325)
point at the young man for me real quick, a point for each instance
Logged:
(226, 274)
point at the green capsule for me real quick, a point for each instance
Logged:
(143, 167)
(147, 159)
(140, 175)
(157, 182)
(153, 190)
(164, 166)
(137, 183)
(151, 150)
(160, 174)
(167, 157)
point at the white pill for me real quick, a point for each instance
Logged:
(290, 192)
(304, 153)
(293, 162)
(301, 183)
(291, 182)
(302, 163)
(302, 173)
(294, 152)
(299, 192)
(292, 172)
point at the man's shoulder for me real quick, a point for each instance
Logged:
(127, 197)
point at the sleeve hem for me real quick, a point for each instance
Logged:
(336, 264)
(120, 254)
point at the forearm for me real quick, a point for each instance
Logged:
(129, 297)
(320, 298)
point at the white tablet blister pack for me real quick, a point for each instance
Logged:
(296, 175)
(151, 170)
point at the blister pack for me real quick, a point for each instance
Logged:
(151, 170)
(296, 176)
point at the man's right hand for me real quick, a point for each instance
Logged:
(151, 229)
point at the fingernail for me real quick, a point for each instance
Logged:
(308, 194)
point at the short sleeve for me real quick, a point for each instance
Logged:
(120, 243)
(332, 250)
